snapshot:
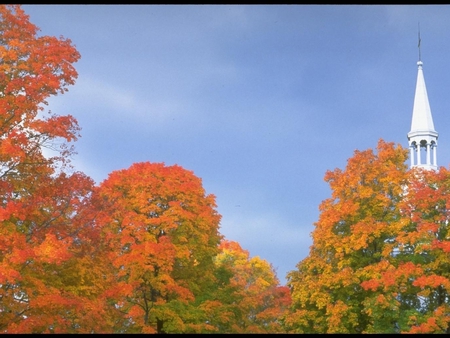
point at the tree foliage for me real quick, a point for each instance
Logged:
(161, 233)
(142, 252)
(248, 297)
(138, 253)
(379, 259)
(41, 218)
(32, 68)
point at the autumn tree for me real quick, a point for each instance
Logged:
(161, 233)
(51, 279)
(421, 284)
(32, 68)
(248, 297)
(43, 229)
(379, 259)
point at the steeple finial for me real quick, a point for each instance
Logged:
(420, 59)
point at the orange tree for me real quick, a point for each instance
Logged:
(42, 229)
(421, 252)
(51, 279)
(380, 254)
(32, 68)
(160, 231)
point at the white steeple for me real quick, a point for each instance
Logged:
(422, 138)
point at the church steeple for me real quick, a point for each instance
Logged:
(422, 138)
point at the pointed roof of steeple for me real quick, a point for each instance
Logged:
(422, 119)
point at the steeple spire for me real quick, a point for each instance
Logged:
(422, 135)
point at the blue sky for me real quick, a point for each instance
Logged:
(258, 101)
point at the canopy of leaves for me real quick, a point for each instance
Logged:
(379, 262)
(248, 297)
(162, 233)
(42, 223)
(142, 252)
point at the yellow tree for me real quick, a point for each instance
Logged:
(248, 297)
(354, 226)
(379, 259)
